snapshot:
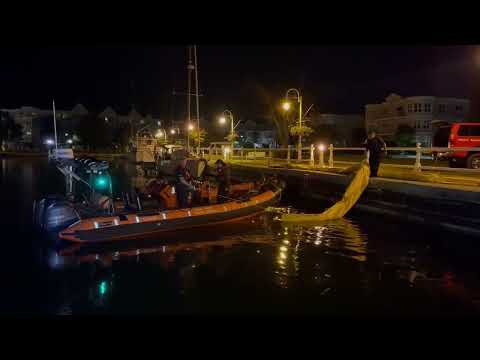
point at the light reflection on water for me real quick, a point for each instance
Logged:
(252, 259)
(254, 266)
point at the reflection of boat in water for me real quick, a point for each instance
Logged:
(105, 254)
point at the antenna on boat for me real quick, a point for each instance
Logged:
(55, 126)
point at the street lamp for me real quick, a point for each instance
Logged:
(286, 107)
(223, 120)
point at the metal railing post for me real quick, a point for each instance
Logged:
(288, 154)
(312, 155)
(322, 157)
(330, 158)
(418, 155)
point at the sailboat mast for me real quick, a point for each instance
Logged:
(55, 126)
(196, 95)
(189, 87)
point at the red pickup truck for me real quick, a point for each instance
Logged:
(462, 135)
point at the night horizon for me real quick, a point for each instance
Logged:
(337, 79)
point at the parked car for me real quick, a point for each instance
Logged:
(463, 135)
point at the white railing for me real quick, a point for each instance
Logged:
(324, 157)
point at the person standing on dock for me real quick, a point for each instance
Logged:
(375, 147)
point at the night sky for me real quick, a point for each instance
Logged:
(337, 79)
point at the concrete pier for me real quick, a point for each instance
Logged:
(453, 207)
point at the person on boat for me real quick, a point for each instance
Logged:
(223, 178)
(376, 147)
(184, 186)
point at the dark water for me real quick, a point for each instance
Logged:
(361, 265)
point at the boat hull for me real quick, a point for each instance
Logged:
(137, 226)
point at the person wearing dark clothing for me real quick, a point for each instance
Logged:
(376, 147)
(223, 178)
(184, 185)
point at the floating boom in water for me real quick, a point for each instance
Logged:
(337, 211)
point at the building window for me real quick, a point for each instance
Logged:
(409, 108)
(459, 108)
(441, 108)
(426, 124)
(417, 108)
(427, 107)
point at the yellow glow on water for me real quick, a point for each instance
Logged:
(286, 241)
(283, 256)
(283, 248)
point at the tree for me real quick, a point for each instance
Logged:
(274, 114)
(196, 135)
(405, 136)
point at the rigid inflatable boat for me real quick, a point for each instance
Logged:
(151, 222)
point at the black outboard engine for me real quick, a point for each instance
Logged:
(54, 213)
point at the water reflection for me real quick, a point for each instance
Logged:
(256, 265)
(297, 242)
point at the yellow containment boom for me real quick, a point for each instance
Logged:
(337, 211)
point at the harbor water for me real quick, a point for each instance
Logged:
(361, 265)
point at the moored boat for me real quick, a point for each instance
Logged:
(152, 222)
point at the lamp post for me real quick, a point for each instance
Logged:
(286, 106)
(223, 120)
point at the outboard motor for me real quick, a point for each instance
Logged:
(54, 214)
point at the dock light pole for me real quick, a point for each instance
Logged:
(223, 120)
(287, 105)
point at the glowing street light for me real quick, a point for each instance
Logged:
(49, 142)
(286, 107)
(223, 120)
(190, 127)
(69, 141)
(172, 131)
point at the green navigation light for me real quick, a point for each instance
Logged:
(103, 287)
(101, 182)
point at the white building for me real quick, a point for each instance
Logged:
(419, 112)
